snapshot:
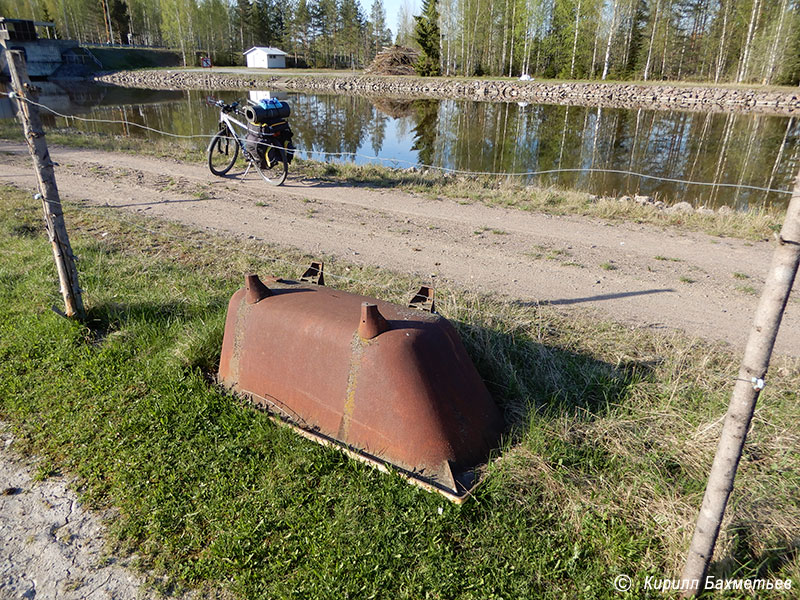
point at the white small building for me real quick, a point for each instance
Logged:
(266, 58)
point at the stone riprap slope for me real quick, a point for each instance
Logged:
(620, 95)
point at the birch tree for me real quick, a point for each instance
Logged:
(611, 28)
(748, 42)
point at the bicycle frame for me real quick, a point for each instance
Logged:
(225, 120)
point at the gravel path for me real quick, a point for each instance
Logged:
(52, 546)
(636, 274)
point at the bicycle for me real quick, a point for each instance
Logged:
(268, 153)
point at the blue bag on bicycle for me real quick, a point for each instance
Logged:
(267, 111)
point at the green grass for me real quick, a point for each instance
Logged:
(612, 430)
(747, 289)
(557, 253)
(755, 224)
(482, 230)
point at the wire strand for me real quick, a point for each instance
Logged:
(457, 310)
(422, 166)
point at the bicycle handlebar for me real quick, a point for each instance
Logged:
(234, 107)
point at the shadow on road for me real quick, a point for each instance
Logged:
(599, 297)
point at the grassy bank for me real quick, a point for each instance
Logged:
(509, 192)
(612, 431)
(119, 58)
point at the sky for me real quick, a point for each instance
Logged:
(392, 7)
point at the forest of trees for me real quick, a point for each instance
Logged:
(749, 41)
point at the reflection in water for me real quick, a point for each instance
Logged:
(75, 98)
(743, 149)
(257, 96)
(425, 130)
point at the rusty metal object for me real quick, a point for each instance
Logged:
(256, 291)
(372, 322)
(314, 273)
(393, 386)
(423, 299)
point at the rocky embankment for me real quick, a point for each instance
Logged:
(619, 95)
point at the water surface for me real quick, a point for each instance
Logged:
(506, 138)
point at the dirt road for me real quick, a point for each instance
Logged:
(636, 274)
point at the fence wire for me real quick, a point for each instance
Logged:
(418, 165)
(397, 289)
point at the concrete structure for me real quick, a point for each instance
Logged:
(42, 56)
(22, 30)
(266, 58)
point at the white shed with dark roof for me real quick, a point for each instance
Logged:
(262, 57)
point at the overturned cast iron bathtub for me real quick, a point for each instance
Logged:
(388, 384)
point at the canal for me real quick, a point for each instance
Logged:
(603, 151)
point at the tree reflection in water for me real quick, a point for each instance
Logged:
(745, 149)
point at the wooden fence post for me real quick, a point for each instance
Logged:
(43, 165)
(749, 383)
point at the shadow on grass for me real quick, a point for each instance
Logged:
(27, 231)
(525, 376)
(744, 562)
(104, 319)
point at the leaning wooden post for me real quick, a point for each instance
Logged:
(43, 165)
(749, 384)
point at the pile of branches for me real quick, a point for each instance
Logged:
(396, 109)
(394, 60)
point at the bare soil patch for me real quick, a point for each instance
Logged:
(631, 273)
(52, 546)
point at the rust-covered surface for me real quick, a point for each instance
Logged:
(392, 383)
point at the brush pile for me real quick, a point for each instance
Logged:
(394, 60)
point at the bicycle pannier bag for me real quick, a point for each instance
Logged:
(284, 139)
(254, 143)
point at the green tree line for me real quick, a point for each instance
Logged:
(316, 33)
(744, 41)
(750, 41)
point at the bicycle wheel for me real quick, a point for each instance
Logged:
(274, 172)
(222, 152)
